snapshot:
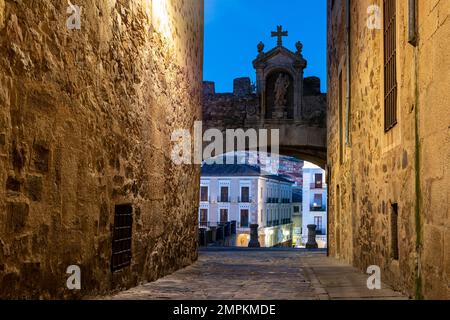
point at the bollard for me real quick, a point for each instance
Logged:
(312, 243)
(254, 238)
(202, 237)
(220, 233)
(228, 229)
(233, 227)
(208, 238)
(213, 234)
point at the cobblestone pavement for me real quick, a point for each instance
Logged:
(261, 275)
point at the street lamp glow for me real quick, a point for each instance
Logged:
(160, 17)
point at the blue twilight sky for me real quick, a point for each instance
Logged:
(233, 28)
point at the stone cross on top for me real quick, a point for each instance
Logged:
(280, 34)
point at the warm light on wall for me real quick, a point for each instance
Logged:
(160, 17)
(147, 4)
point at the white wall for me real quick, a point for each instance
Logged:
(261, 188)
(309, 171)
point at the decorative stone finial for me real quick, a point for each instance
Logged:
(299, 47)
(260, 47)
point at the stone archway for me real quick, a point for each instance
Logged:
(301, 121)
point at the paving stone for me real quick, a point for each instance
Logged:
(260, 275)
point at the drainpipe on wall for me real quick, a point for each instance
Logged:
(412, 27)
(348, 76)
(412, 39)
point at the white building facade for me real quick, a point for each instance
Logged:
(297, 226)
(243, 194)
(315, 198)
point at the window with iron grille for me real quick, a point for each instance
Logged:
(318, 223)
(390, 64)
(245, 194)
(394, 232)
(204, 194)
(224, 194)
(341, 120)
(122, 237)
(203, 217)
(244, 218)
(318, 180)
(223, 216)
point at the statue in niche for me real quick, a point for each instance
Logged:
(281, 89)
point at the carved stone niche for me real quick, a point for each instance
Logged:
(275, 109)
(269, 66)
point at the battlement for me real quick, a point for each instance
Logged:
(209, 88)
(311, 86)
(242, 87)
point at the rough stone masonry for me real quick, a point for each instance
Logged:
(85, 123)
(390, 186)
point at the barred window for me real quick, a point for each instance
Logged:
(394, 232)
(122, 237)
(390, 64)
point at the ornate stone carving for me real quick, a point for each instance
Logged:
(281, 88)
(299, 47)
(261, 48)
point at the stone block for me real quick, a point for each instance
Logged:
(41, 155)
(34, 187)
(12, 184)
(30, 272)
(16, 216)
(447, 255)
(2, 14)
(18, 157)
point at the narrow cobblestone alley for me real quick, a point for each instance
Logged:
(276, 274)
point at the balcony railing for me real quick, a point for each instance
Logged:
(321, 232)
(223, 199)
(244, 225)
(278, 200)
(244, 200)
(276, 223)
(318, 208)
(208, 224)
(316, 186)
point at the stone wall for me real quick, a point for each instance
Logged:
(228, 110)
(85, 123)
(242, 107)
(407, 166)
(304, 139)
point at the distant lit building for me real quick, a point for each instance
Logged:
(314, 203)
(280, 165)
(297, 200)
(292, 168)
(245, 194)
